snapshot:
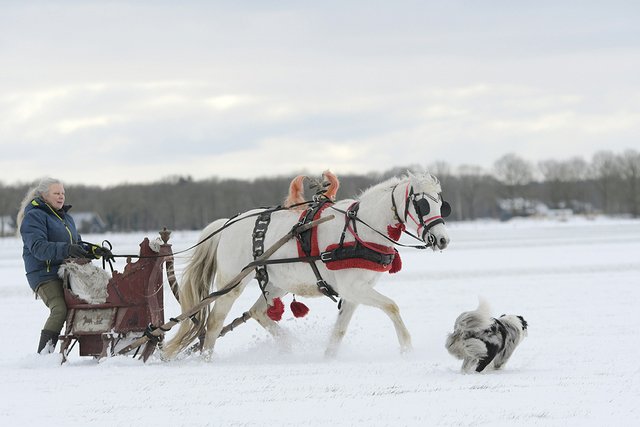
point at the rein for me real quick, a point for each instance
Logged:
(351, 217)
(355, 218)
(325, 256)
(229, 223)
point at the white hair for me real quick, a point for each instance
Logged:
(42, 188)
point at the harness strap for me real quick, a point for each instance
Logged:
(358, 251)
(306, 238)
(322, 284)
(259, 233)
(394, 208)
(306, 245)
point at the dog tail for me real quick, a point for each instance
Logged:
(484, 307)
(477, 320)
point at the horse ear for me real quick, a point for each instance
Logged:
(413, 179)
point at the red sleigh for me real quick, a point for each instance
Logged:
(134, 303)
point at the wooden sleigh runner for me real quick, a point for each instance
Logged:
(134, 303)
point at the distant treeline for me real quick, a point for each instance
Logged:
(609, 184)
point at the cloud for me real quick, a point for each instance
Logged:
(148, 89)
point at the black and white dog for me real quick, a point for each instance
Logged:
(482, 341)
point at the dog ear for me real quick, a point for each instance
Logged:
(524, 322)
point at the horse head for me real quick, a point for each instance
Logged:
(425, 208)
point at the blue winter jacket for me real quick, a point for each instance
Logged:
(47, 235)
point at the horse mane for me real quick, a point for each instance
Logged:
(422, 182)
(425, 182)
(296, 190)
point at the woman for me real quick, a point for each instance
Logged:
(49, 236)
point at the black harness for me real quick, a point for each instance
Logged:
(357, 250)
(259, 233)
(306, 243)
(305, 239)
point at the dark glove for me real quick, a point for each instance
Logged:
(104, 253)
(77, 251)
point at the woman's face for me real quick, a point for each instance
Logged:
(55, 196)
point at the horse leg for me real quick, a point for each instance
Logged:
(259, 311)
(219, 312)
(392, 310)
(347, 308)
(366, 295)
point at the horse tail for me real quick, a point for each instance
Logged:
(333, 184)
(296, 193)
(198, 277)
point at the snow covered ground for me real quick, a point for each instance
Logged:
(577, 283)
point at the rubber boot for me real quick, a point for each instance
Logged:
(48, 341)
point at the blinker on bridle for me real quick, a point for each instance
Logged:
(422, 208)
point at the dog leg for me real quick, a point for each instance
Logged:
(468, 364)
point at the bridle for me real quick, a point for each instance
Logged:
(422, 208)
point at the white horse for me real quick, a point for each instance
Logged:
(413, 201)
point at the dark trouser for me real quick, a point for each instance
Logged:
(52, 295)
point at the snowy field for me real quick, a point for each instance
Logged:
(576, 282)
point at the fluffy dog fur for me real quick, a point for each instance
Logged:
(483, 342)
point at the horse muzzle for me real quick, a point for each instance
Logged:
(435, 235)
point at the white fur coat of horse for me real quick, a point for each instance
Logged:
(217, 260)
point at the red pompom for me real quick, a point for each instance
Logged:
(299, 309)
(276, 310)
(395, 231)
(396, 264)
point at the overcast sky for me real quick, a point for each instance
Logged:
(106, 92)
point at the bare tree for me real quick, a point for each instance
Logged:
(179, 202)
(555, 174)
(564, 182)
(606, 171)
(4, 208)
(577, 175)
(630, 169)
(442, 170)
(514, 173)
(10, 197)
(470, 183)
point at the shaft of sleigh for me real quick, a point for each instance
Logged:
(152, 334)
(235, 323)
